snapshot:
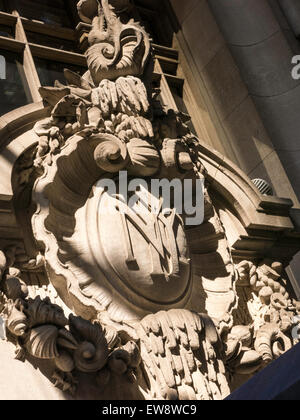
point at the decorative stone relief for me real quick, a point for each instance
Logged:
(267, 307)
(162, 351)
(130, 290)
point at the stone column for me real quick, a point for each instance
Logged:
(291, 9)
(264, 59)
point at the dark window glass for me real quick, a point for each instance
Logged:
(153, 19)
(3, 6)
(50, 41)
(148, 21)
(49, 71)
(7, 31)
(13, 90)
(177, 92)
(52, 12)
(168, 66)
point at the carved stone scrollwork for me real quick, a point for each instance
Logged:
(164, 353)
(42, 331)
(111, 154)
(116, 49)
(132, 289)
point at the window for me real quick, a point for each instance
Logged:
(176, 87)
(2, 67)
(7, 31)
(52, 12)
(50, 41)
(49, 71)
(3, 7)
(13, 89)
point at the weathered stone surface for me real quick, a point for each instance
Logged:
(278, 382)
(138, 304)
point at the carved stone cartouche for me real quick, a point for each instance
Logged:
(133, 286)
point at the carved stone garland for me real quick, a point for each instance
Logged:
(134, 312)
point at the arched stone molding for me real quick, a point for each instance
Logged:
(15, 137)
(153, 301)
(256, 225)
(248, 210)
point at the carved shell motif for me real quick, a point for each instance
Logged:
(41, 342)
(144, 158)
(92, 353)
(111, 154)
(17, 322)
(44, 312)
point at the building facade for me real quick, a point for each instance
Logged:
(222, 74)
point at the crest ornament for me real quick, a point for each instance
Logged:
(152, 253)
(143, 304)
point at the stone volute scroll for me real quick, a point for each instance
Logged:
(147, 306)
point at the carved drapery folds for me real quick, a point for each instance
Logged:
(133, 286)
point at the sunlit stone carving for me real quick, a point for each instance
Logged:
(155, 305)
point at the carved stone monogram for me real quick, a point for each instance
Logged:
(149, 307)
(152, 254)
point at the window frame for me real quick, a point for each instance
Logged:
(166, 58)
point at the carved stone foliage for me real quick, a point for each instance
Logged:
(267, 316)
(102, 123)
(116, 49)
(41, 330)
(163, 353)
(132, 286)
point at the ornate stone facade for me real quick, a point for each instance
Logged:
(147, 308)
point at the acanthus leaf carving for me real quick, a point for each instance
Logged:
(135, 284)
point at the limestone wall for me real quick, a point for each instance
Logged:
(233, 124)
